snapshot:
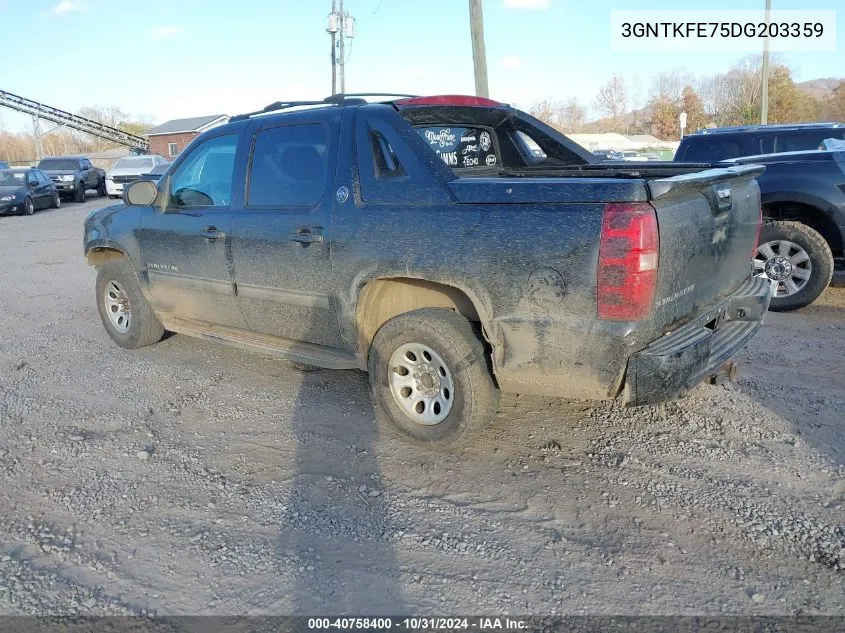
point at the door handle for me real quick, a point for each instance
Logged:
(305, 236)
(211, 233)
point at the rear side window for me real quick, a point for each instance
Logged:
(288, 166)
(461, 147)
(803, 141)
(707, 150)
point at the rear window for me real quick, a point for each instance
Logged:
(59, 164)
(461, 147)
(709, 149)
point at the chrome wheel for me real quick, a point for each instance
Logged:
(421, 383)
(28, 207)
(57, 200)
(117, 306)
(785, 262)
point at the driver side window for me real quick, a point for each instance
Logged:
(204, 179)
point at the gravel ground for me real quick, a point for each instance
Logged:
(189, 478)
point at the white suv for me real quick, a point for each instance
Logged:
(129, 169)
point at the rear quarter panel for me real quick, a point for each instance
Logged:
(528, 268)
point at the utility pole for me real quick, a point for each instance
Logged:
(764, 105)
(332, 30)
(36, 130)
(342, 53)
(341, 26)
(479, 56)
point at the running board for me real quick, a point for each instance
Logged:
(287, 349)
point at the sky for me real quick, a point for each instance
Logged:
(164, 59)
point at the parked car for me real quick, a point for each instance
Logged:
(418, 240)
(156, 172)
(73, 175)
(25, 191)
(802, 241)
(630, 155)
(129, 169)
(607, 154)
(4, 165)
(753, 140)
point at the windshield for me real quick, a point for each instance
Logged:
(11, 178)
(134, 163)
(59, 164)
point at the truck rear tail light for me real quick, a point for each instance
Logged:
(628, 258)
(448, 100)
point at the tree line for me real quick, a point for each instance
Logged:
(722, 99)
(20, 147)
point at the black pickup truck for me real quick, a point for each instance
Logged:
(428, 241)
(72, 175)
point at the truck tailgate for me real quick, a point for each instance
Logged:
(708, 224)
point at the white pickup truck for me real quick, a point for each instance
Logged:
(129, 169)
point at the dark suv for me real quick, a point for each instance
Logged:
(753, 140)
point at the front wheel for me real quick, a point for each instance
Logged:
(28, 206)
(429, 377)
(80, 193)
(798, 258)
(56, 202)
(101, 189)
(126, 315)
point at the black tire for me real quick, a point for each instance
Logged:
(458, 343)
(144, 327)
(821, 260)
(57, 201)
(101, 188)
(79, 196)
(28, 206)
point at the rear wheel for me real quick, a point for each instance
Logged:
(798, 258)
(429, 377)
(126, 315)
(80, 193)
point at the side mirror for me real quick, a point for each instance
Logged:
(140, 193)
(32, 183)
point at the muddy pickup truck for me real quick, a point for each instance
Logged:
(450, 246)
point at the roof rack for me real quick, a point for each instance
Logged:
(354, 98)
(774, 126)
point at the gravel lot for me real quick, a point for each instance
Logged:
(189, 478)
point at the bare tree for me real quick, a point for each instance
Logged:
(545, 110)
(571, 115)
(670, 84)
(612, 99)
